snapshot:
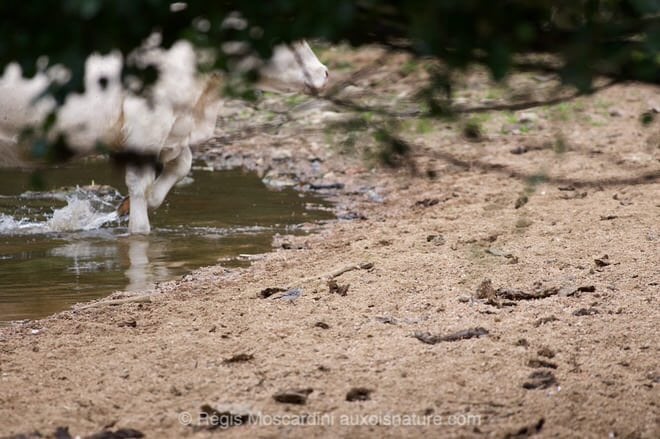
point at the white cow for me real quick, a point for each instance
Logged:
(180, 110)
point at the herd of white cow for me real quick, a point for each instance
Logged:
(179, 110)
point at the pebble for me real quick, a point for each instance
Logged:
(528, 117)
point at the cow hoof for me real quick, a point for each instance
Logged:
(124, 207)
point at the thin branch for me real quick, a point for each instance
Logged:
(535, 103)
(468, 110)
(335, 273)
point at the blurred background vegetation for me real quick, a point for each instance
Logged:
(578, 40)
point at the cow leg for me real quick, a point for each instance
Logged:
(174, 170)
(138, 180)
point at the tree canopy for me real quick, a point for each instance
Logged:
(582, 39)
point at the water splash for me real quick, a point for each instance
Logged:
(9, 224)
(78, 214)
(87, 208)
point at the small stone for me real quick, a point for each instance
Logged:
(290, 295)
(521, 201)
(374, 196)
(585, 312)
(267, 292)
(296, 396)
(603, 261)
(540, 379)
(528, 117)
(522, 342)
(358, 394)
(174, 391)
(543, 320)
(436, 239)
(335, 288)
(546, 352)
(538, 363)
(239, 358)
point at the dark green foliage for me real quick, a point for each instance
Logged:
(647, 118)
(393, 151)
(620, 38)
(473, 130)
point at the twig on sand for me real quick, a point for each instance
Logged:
(336, 273)
(114, 302)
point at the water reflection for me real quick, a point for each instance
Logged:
(87, 256)
(130, 254)
(140, 273)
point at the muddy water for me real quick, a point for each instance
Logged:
(62, 245)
